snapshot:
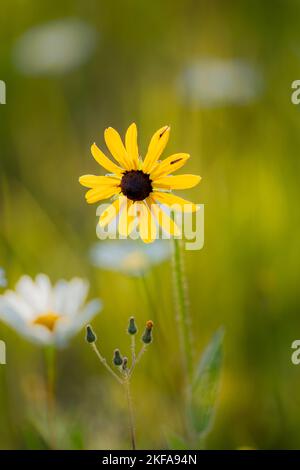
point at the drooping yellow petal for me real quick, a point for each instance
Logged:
(169, 165)
(97, 194)
(126, 219)
(176, 182)
(109, 214)
(156, 148)
(167, 224)
(116, 147)
(177, 203)
(132, 146)
(92, 181)
(147, 225)
(104, 161)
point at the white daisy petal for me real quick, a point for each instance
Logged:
(31, 293)
(45, 290)
(69, 327)
(130, 257)
(76, 295)
(13, 311)
(59, 296)
(37, 334)
(18, 304)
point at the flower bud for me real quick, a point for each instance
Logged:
(147, 336)
(132, 329)
(90, 335)
(124, 364)
(117, 360)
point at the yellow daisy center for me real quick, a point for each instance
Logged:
(135, 261)
(48, 320)
(136, 185)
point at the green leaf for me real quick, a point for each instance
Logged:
(205, 386)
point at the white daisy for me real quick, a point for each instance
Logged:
(48, 314)
(55, 47)
(2, 278)
(130, 257)
(212, 82)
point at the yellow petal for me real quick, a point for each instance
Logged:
(177, 203)
(131, 145)
(146, 223)
(167, 224)
(104, 161)
(126, 219)
(97, 194)
(116, 147)
(156, 148)
(91, 181)
(169, 165)
(109, 214)
(176, 182)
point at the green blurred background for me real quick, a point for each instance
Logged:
(139, 65)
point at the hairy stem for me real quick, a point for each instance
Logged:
(130, 412)
(133, 356)
(137, 359)
(182, 308)
(104, 362)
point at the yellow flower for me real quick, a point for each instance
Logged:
(140, 187)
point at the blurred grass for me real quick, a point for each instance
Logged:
(246, 277)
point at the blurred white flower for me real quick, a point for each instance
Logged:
(2, 278)
(212, 82)
(48, 314)
(129, 257)
(55, 47)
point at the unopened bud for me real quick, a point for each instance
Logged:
(117, 360)
(90, 335)
(132, 329)
(124, 364)
(147, 336)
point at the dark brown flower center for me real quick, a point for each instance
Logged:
(136, 185)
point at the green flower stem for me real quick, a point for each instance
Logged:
(104, 363)
(137, 359)
(142, 351)
(50, 358)
(133, 354)
(126, 383)
(130, 411)
(182, 308)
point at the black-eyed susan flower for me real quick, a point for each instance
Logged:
(140, 187)
(48, 314)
